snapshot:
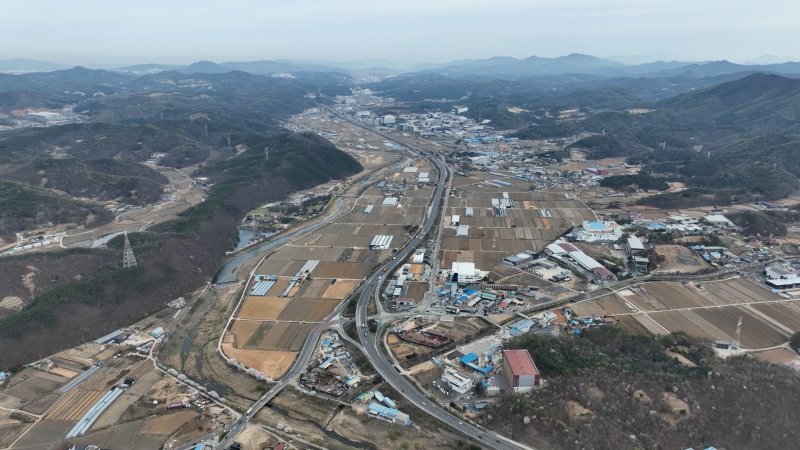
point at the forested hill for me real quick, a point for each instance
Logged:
(735, 142)
(174, 258)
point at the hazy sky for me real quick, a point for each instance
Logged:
(179, 31)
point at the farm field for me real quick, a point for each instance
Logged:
(534, 220)
(708, 310)
(316, 272)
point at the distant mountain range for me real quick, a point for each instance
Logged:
(496, 67)
(256, 67)
(508, 67)
(22, 65)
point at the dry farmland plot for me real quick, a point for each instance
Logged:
(258, 334)
(353, 271)
(308, 309)
(285, 336)
(281, 267)
(607, 304)
(313, 289)
(263, 308)
(340, 289)
(166, 425)
(788, 314)
(756, 332)
(711, 311)
(36, 385)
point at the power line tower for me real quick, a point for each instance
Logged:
(739, 333)
(128, 259)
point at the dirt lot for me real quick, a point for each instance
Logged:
(678, 258)
(269, 362)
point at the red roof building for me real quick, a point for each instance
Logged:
(520, 371)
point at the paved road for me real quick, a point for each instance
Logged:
(383, 367)
(387, 370)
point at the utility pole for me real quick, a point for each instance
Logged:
(128, 258)
(739, 333)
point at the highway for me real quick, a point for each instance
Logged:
(385, 369)
(369, 342)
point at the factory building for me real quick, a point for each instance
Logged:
(599, 231)
(518, 259)
(519, 371)
(780, 277)
(457, 381)
(465, 272)
(634, 246)
(568, 253)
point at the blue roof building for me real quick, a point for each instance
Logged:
(390, 414)
(469, 358)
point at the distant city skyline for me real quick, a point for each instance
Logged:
(96, 33)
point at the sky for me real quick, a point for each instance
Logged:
(107, 32)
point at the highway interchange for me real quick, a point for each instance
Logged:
(370, 342)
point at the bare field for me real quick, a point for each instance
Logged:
(416, 290)
(280, 267)
(35, 385)
(708, 310)
(168, 424)
(282, 336)
(263, 308)
(308, 309)
(313, 288)
(269, 362)
(353, 271)
(340, 289)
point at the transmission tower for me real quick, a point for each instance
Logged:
(739, 333)
(128, 259)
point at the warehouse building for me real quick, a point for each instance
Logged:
(381, 241)
(519, 371)
(635, 246)
(389, 414)
(457, 381)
